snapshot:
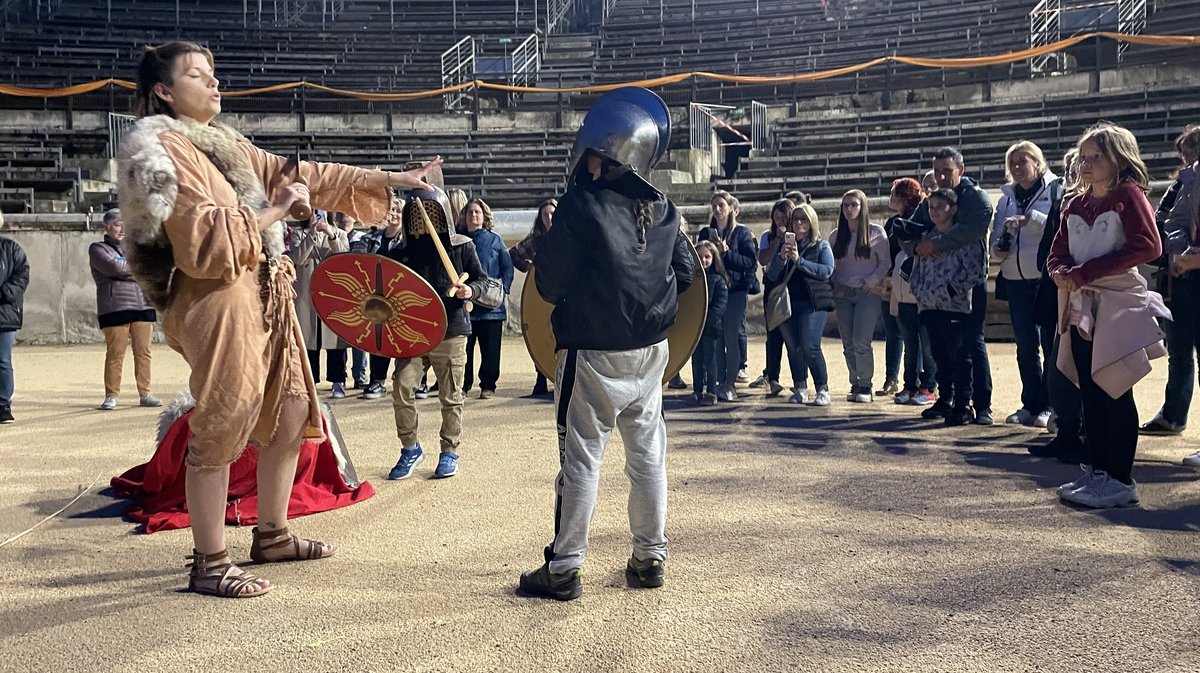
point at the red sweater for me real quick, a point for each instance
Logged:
(1126, 204)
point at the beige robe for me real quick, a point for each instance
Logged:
(232, 315)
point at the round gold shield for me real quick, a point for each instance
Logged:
(681, 339)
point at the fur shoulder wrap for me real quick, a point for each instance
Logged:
(147, 185)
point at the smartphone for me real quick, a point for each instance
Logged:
(790, 238)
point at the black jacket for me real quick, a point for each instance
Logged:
(718, 298)
(14, 278)
(741, 260)
(422, 257)
(606, 294)
(972, 222)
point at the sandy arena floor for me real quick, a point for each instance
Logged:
(853, 538)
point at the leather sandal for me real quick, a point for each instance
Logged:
(215, 575)
(279, 545)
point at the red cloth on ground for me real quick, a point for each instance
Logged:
(157, 486)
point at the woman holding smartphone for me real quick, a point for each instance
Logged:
(805, 263)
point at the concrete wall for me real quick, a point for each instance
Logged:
(60, 304)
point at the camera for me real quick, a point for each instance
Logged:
(1005, 242)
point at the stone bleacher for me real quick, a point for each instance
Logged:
(830, 153)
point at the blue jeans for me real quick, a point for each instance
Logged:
(857, 313)
(802, 336)
(920, 369)
(1183, 344)
(704, 364)
(893, 343)
(729, 353)
(7, 339)
(358, 367)
(1031, 364)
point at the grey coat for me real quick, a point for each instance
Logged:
(116, 289)
(307, 249)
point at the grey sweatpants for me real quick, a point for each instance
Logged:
(595, 391)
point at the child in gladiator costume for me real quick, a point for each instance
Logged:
(204, 220)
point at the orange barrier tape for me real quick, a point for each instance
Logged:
(971, 62)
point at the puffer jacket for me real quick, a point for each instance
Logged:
(116, 289)
(14, 278)
(1020, 262)
(496, 263)
(944, 282)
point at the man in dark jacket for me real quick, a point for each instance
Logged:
(449, 357)
(123, 313)
(14, 278)
(971, 228)
(613, 265)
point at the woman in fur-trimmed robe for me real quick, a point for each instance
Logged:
(204, 210)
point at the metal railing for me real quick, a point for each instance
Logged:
(1046, 21)
(1045, 28)
(458, 67)
(759, 139)
(556, 11)
(118, 125)
(1131, 19)
(290, 12)
(526, 62)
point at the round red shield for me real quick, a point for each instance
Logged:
(378, 305)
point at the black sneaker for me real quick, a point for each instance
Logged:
(6, 416)
(1160, 427)
(960, 416)
(545, 584)
(644, 574)
(983, 417)
(940, 409)
(677, 383)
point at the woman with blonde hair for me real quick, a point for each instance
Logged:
(1020, 218)
(805, 263)
(203, 211)
(861, 261)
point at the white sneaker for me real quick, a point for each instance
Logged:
(149, 400)
(799, 396)
(775, 388)
(1192, 460)
(1021, 416)
(863, 397)
(742, 375)
(1103, 492)
(109, 404)
(1041, 420)
(1083, 480)
(822, 399)
(904, 396)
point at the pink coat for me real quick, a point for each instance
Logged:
(1118, 316)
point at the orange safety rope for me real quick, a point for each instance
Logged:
(972, 62)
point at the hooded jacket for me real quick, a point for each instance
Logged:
(1021, 260)
(607, 294)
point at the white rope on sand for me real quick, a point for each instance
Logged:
(29, 530)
